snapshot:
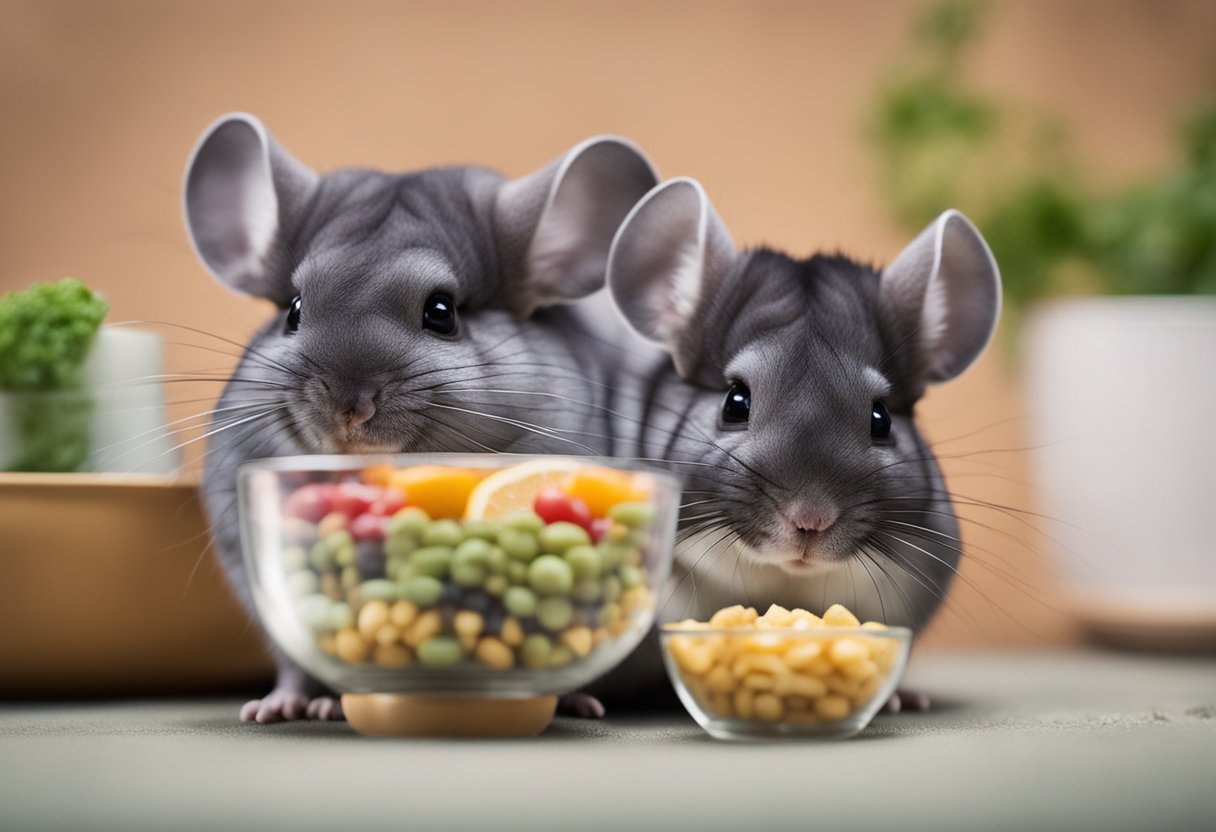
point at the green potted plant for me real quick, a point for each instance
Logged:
(1111, 293)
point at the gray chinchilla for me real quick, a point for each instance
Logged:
(788, 407)
(399, 326)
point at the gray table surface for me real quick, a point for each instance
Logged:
(1062, 740)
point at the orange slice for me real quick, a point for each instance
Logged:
(602, 488)
(438, 490)
(515, 488)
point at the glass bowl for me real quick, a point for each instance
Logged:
(749, 683)
(438, 596)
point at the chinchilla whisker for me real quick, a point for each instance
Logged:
(160, 430)
(691, 570)
(515, 422)
(228, 425)
(242, 348)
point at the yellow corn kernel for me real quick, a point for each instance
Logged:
(802, 652)
(372, 617)
(720, 680)
(846, 651)
(494, 653)
(842, 685)
(759, 681)
(820, 666)
(402, 614)
(811, 687)
(578, 639)
(745, 699)
(861, 670)
(778, 616)
(392, 655)
(468, 624)
(691, 654)
(430, 623)
(832, 707)
(762, 643)
(736, 616)
(351, 647)
(769, 708)
(512, 633)
(839, 616)
(805, 618)
(386, 635)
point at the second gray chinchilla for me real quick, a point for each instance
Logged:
(399, 325)
(788, 402)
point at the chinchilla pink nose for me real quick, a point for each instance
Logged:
(813, 517)
(359, 408)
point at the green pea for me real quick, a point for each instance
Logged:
(294, 557)
(345, 555)
(320, 557)
(635, 557)
(410, 522)
(535, 650)
(520, 602)
(496, 561)
(400, 546)
(481, 529)
(584, 560)
(468, 574)
(610, 613)
(303, 583)
(524, 521)
(423, 590)
(631, 576)
(338, 540)
(442, 533)
(341, 616)
(612, 588)
(432, 560)
(350, 577)
(378, 590)
(619, 533)
(474, 550)
(633, 515)
(556, 538)
(550, 575)
(517, 572)
(587, 591)
(612, 555)
(518, 543)
(314, 611)
(554, 613)
(560, 656)
(496, 585)
(440, 651)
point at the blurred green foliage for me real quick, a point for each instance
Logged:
(941, 144)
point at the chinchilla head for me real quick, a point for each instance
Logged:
(797, 433)
(395, 292)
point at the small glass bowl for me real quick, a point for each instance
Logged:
(750, 683)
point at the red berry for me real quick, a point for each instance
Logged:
(599, 528)
(354, 498)
(308, 502)
(391, 501)
(368, 527)
(553, 505)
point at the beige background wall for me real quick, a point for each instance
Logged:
(100, 104)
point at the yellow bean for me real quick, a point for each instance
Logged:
(402, 614)
(386, 635)
(351, 647)
(863, 669)
(796, 704)
(848, 651)
(579, 640)
(778, 616)
(842, 685)
(801, 653)
(809, 686)
(839, 616)
(719, 679)
(372, 617)
(769, 708)
(745, 700)
(691, 654)
(597, 636)
(468, 624)
(494, 653)
(736, 616)
(328, 644)
(392, 655)
(832, 707)
(759, 681)
(820, 666)
(430, 623)
(719, 704)
(512, 633)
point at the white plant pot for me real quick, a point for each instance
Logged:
(1121, 396)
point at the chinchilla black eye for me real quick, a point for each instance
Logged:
(738, 404)
(293, 316)
(439, 314)
(880, 421)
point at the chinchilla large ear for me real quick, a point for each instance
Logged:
(669, 259)
(943, 294)
(554, 227)
(243, 194)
